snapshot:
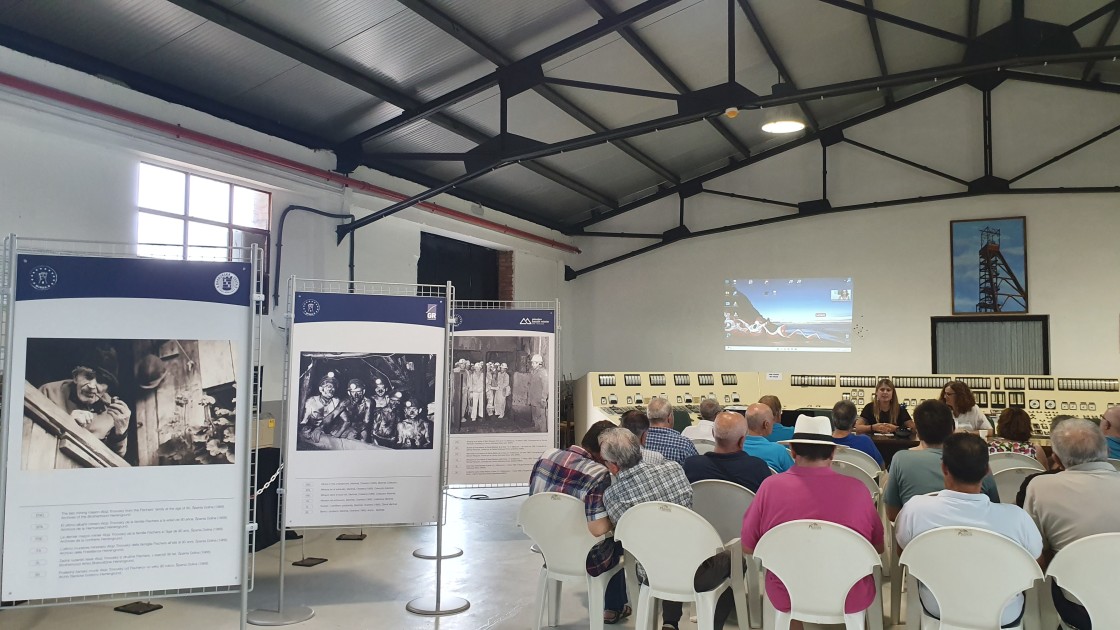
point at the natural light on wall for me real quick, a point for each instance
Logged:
(186, 216)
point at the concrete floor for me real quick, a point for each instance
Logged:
(367, 584)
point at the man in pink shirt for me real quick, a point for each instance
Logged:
(812, 490)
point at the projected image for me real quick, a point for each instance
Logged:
(788, 314)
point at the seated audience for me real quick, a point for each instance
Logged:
(637, 481)
(727, 461)
(1013, 435)
(1110, 426)
(702, 430)
(1080, 501)
(577, 471)
(812, 490)
(843, 423)
(967, 415)
(883, 414)
(918, 470)
(780, 431)
(1054, 467)
(661, 437)
(760, 422)
(638, 423)
(964, 464)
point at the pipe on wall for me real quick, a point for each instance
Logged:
(213, 142)
(280, 245)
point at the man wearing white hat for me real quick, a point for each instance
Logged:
(812, 490)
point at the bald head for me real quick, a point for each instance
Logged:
(760, 419)
(729, 430)
(1110, 422)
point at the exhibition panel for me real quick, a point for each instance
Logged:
(503, 390)
(125, 435)
(606, 395)
(363, 440)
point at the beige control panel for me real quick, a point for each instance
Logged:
(606, 395)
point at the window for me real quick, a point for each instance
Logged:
(189, 217)
(473, 269)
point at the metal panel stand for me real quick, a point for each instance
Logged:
(438, 605)
(281, 616)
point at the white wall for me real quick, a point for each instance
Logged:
(662, 310)
(66, 174)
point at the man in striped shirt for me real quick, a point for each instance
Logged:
(577, 471)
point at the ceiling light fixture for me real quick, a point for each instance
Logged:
(783, 118)
(731, 112)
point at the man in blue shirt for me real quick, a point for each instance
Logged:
(781, 432)
(760, 423)
(843, 419)
(1110, 426)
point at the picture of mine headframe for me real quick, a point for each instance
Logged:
(998, 284)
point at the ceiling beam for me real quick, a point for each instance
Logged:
(535, 60)
(783, 71)
(1049, 79)
(973, 25)
(1109, 27)
(670, 77)
(899, 21)
(43, 49)
(1093, 16)
(877, 42)
(496, 57)
(294, 50)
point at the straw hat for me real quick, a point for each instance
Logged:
(811, 430)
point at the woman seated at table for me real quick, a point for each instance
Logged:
(959, 397)
(883, 414)
(1013, 435)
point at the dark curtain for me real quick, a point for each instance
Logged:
(473, 269)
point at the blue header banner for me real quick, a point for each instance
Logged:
(358, 307)
(41, 277)
(536, 320)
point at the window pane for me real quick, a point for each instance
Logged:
(162, 189)
(200, 235)
(159, 237)
(248, 239)
(209, 199)
(250, 208)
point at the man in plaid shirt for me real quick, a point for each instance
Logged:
(661, 437)
(576, 471)
(637, 481)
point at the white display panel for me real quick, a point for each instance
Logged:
(125, 426)
(501, 421)
(365, 451)
(788, 314)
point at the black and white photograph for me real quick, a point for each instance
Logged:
(114, 403)
(366, 401)
(500, 384)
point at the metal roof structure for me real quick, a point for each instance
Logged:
(561, 112)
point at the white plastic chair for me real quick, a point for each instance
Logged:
(869, 480)
(861, 459)
(819, 562)
(557, 524)
(1009, 480)
(1003, 461)
(670, 542)
(703, 446)
(1087, 570)
(951, 562)
(1115, 463)
(723, 504)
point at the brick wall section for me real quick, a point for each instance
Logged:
(505, 276)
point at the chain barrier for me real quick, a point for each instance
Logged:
(269, 482)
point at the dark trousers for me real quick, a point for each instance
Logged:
(615, 598)
(708, 576)
(1072, 614)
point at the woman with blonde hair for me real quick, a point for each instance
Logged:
(883, 414)
(959, 397)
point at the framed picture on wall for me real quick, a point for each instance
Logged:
(989, 260)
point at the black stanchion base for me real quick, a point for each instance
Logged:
(138, 608)
(308, 562)
(351, 537)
